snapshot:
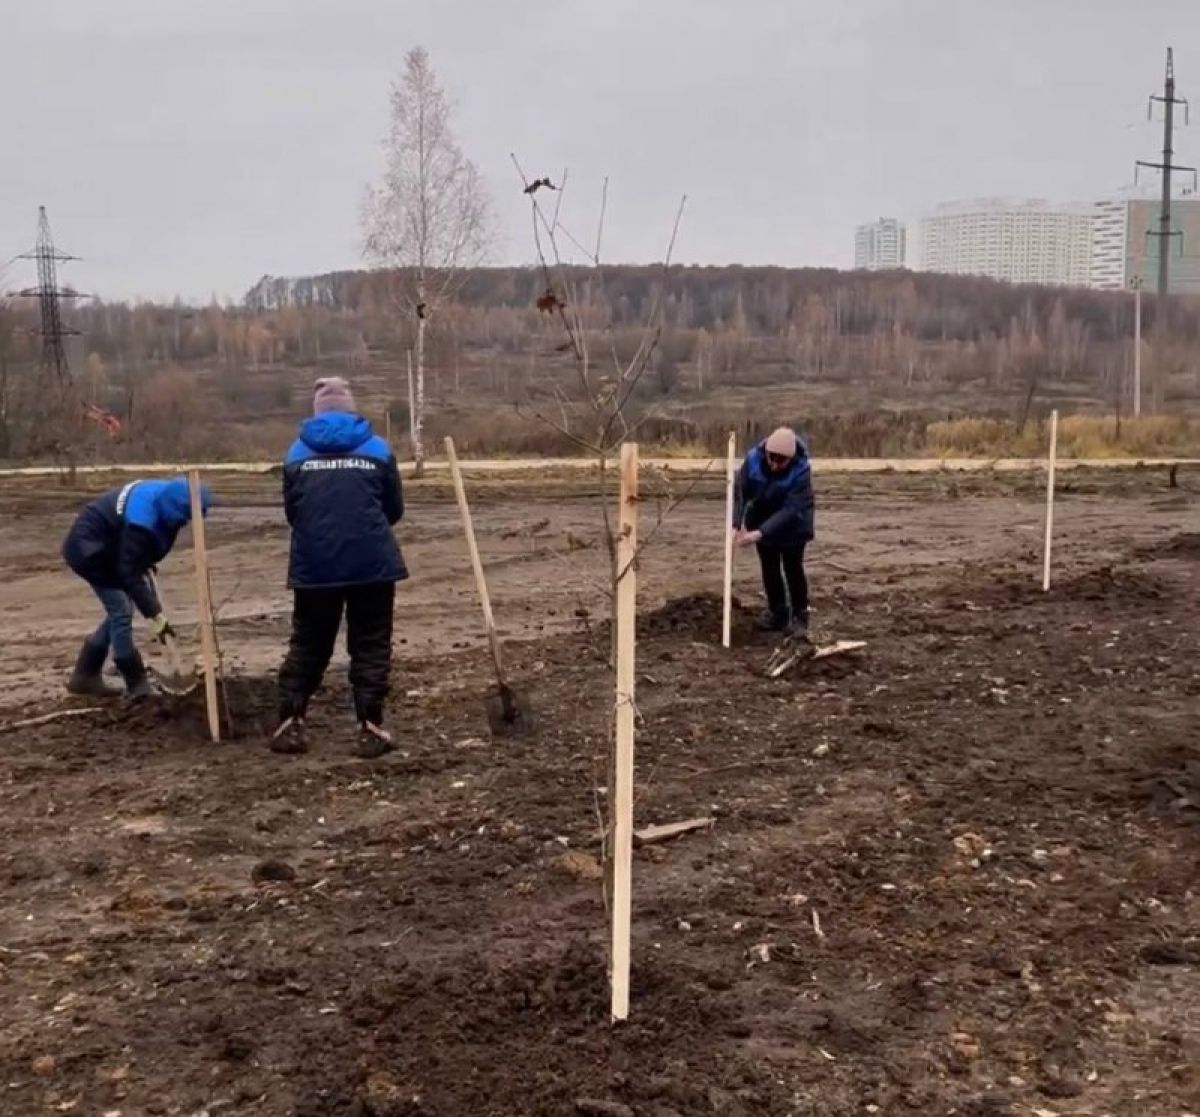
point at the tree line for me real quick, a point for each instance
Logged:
(724, 327)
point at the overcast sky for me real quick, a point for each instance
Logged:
(189, 146)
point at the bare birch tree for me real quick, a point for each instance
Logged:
(429, 216)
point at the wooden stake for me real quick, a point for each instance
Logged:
(1050, 499)
(208, 640)
(622, 836)
(727, 608)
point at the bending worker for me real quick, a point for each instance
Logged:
(114, 545)
(342, 497)
(774, 511)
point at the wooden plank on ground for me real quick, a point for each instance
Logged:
(840, 648)
(649, 835)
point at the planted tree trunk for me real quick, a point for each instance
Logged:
(418, 413)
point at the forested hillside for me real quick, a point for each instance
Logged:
(883, 352)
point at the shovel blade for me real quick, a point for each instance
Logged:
(175, 680)
(509, 713)
(177, 685)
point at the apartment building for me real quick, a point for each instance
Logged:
(880, 245)
(1029, 241)
(1125, 244)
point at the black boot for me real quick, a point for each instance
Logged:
(772, 621)
(133, 671)
(373, 741)
(87, 680)
(798, 634)
(290, 737)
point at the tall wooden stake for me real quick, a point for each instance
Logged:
(1050, 499)
(622, 815)
(727, 600)
(208, 640)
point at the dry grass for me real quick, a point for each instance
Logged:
(1079, 436)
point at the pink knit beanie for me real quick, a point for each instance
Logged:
(782, 442)
(332, 393)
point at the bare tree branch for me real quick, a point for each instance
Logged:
(661, 518)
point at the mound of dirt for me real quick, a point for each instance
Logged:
(698, 615)
(1116, 585)
(1185, 545)
(1107, 583)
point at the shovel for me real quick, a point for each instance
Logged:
(176, 681)
(508, 711)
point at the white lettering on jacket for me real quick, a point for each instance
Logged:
(337, 463)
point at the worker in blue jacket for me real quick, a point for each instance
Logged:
(342, 497)
(114, 545)
(774, 512)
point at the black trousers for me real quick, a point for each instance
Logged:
(316, 618)
(784, 581)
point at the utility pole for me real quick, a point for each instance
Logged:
(1137, 346)
(1164, 234)
(49, 296)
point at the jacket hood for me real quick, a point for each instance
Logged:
(335, 432)
(174, 502)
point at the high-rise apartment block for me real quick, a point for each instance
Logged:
(1017, 241)
(1124, 249)
(1107, 244)
(880, 246)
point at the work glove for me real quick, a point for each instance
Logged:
(161, 627)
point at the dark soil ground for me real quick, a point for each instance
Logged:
(955, 873)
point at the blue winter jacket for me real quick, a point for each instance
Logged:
(119, 537)
(342, 496)
(780, 505)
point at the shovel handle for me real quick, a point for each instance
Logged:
(489, 621)
(168, 641)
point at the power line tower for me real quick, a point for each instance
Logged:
(1164, 233)
(50, 297)
(1166, 168)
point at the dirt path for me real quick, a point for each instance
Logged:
(682, 465)
(957, 874)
